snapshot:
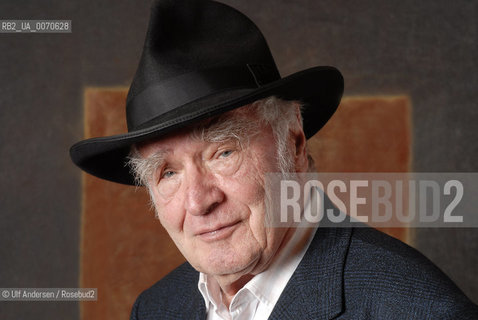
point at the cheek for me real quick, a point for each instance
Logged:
(170, 213)
(248, 191)
(262, 162)
(246, 187)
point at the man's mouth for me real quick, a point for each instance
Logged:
(218, 233)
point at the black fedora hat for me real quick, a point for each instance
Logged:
(202, 58)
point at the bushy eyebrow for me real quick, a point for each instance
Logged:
(144, 167)
(157, 159)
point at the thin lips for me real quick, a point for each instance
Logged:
(217, 228)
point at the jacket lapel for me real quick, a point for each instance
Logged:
(315, 290)
(196, 309)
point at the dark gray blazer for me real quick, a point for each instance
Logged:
(347, 273)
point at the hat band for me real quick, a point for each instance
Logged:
(166, 96)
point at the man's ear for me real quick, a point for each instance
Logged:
(298, 137)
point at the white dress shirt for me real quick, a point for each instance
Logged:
(259, 296)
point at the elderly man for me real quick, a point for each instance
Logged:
(208, 116)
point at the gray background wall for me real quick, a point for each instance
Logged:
(426, 49)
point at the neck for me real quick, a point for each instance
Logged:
(229, 290)
(230, 284)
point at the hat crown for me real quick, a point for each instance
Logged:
(188, 36)
(201, 59)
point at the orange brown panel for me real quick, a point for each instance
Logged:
(367, 134)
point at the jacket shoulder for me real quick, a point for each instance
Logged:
(398, 280)
(171, 297)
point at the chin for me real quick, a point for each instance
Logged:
(224, 267)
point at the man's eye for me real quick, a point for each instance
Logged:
(226, 154)
(168, 174)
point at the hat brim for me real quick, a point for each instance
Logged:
(319, 89)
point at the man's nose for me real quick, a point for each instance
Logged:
(202, 193)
